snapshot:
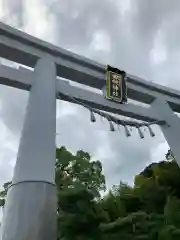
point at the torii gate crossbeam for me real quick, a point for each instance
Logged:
(30, 210)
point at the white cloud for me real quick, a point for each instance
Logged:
(160, 151)
(37, 21)
(158, 54)
(6, 155)
(100, 42)
(124, 6)
(1, 10)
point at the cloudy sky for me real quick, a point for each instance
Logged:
(140, 36)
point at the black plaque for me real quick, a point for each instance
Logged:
(116, 89)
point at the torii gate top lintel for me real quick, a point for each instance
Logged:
(25, 49)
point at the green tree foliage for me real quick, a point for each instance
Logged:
(79, 215)
(172, 211)
(3, 193)
(149, 210)
(78, 171)
(170, 156)
(79, 181)
(151, 207)
(169, 232)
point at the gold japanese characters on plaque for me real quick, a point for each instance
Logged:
(116, 88)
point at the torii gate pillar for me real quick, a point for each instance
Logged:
(171, 129)
(30, 209)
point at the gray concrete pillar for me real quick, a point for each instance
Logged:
(171, 130)
(30, 209)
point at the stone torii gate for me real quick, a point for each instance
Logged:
(30, 209)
